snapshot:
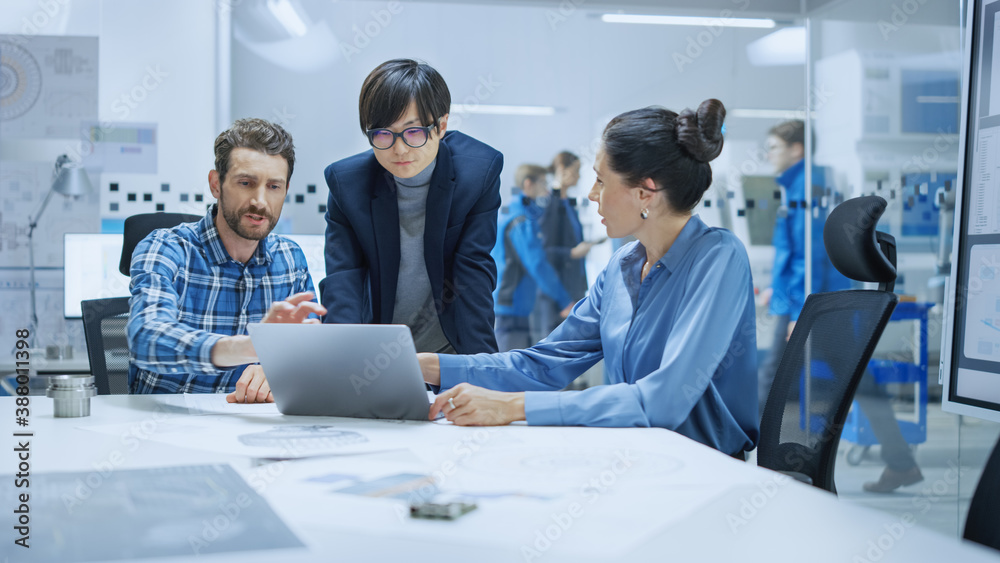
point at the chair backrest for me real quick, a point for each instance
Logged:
(137, 227)
(104, 323)
(829, 348)
(982, 525)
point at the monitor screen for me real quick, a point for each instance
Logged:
(91, 267)
(970, 360)
(314, 247)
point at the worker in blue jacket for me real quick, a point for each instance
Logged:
(787, 294)
(522, 266)
(785, 150)
(562, 237)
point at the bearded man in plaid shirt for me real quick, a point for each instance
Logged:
(196, 286)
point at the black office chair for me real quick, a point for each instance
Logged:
(982, 525)
(105, 320)
(829, 349)
(137, 227)
(104, 323)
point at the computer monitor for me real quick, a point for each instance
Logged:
(90, 268)
(314, 247)
(970, 348)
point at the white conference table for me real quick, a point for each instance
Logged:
(543, 494)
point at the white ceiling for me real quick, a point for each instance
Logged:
(782, 9)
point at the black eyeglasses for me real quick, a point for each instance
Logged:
(414, 137)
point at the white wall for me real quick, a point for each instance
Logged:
(158, 65)
(160, 56)
(590, 71)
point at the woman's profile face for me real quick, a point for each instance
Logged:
(616, 202)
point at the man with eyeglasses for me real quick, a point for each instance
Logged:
(411, 223)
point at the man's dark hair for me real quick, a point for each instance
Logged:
(531, 172)
(564, 159)
(793, 131)
(255, 134)
(390, 88)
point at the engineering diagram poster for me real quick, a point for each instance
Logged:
(48, 85)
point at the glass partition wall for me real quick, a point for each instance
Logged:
(885, 84)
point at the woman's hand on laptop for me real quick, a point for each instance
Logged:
(252, 387)
(468, 405)
(295, 309)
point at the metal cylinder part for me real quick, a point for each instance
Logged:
(71, 394)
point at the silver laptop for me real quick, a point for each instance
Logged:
(362, 371)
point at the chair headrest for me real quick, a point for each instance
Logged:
(854, 246)
(137, 227)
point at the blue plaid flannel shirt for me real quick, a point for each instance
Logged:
(188, 293)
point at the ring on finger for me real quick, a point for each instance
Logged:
(451, 403)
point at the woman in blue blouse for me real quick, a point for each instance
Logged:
(672, 314)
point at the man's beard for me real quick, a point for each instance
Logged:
(235, 221)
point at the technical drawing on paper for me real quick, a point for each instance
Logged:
(48, 85)
(20, 81)
(303, 437)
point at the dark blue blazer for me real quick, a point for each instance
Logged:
(362, 241)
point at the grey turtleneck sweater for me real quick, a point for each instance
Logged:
(414, 300)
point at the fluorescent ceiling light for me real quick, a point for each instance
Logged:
(768, 113)
(288, 17)
(503, 110)
(937, 99)
(688, 20)
(786, 46)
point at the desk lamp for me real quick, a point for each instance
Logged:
(70, 180)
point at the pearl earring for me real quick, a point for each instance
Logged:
(644, 214)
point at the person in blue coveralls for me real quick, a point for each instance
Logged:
(565, 249)
(787, 294)
(786, 151)
(672, 314)
(522, 266)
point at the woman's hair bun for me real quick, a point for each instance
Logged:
(700, 132)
